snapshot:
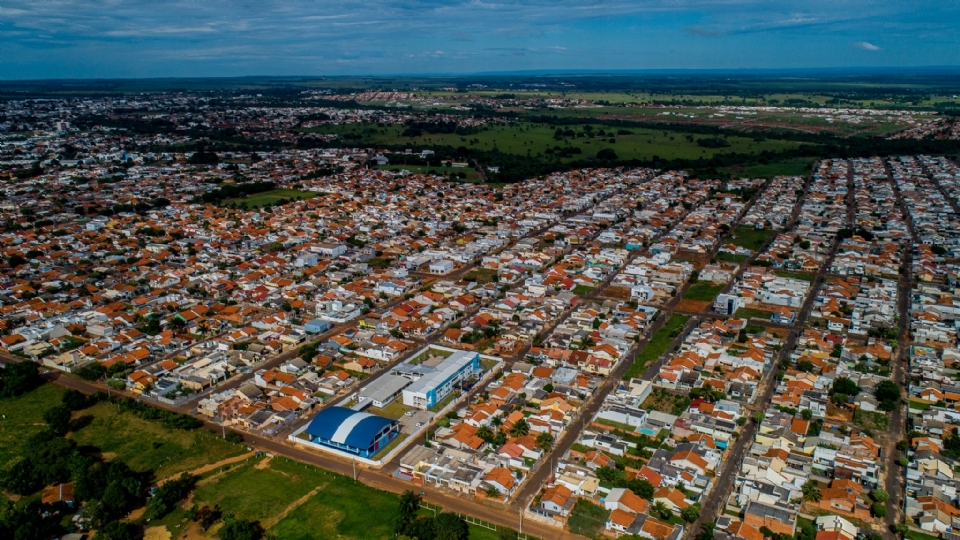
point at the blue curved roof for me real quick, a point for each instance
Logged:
(346, 426)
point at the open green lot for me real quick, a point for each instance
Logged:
(23, 418)
(582, 290)
(748, 237)
(657, 345)
(793, 167)
(796, 275)
(747, 313)
(703, 291)
(537, 140)
(731, 257)
(147, 445)
(274, 196)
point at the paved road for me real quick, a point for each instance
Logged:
(730, 466)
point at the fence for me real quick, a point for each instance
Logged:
(478, 522)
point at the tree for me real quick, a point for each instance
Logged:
(902, 528)
(878, 510)
(241, 530)
(207, 516)
(888, 394)
(409, 506)
(74, 400)
(520, 428)
(661, 510)
(450, 526)
(691, 513)
(806, 414)
(879, 495)
(839, 399)
(758, 417)
(167, 496)
(845, 385)
(18, 378)
(544, 441)
(492, 492)
(117, 530)
(58, 418)
(706, 532)
(811, 491)
(234, 437)
(507, 534)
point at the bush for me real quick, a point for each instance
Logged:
(879, 495)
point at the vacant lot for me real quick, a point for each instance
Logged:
(747, 313)
(274, 196)
(663, 401)
(796, 275)
(657, 345)
(749, 238)
(147, 445)
(703, 291)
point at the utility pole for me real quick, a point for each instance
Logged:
(223, 429)
(521, 521)
(354, 461)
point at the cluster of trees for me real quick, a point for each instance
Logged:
(843, 390)
(416, 128)
(640, 486)
(231, 191)
(18, 378)
(444, 526)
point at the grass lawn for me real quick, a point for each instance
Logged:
(746, 313)
(749, 238)
(341, 509)
(389, 448)
(796, 275)
(582, 290)
(446, 401)
(147, 445)
(917, 535)
(23, 417)
(657, 345)
(703, 291)
(271, 197)
(394, 409)
(731, 257)
(249, 492)
(875, 421)
(920, 405)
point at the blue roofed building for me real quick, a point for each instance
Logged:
(358, 433)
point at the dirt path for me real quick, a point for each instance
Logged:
(156, 533)
(293, 506)
(210, 467)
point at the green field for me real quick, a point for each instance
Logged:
(793, 167)
(582, 290)
(657, 345)
(147, 445)
(538, 140)
(703, 291)
(748, 237)
(23, 418)
(746, 313)
(730, 257)
(796, 275)
(271, 197)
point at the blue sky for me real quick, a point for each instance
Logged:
(157, 38)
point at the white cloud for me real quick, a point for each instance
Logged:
(865, 45)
